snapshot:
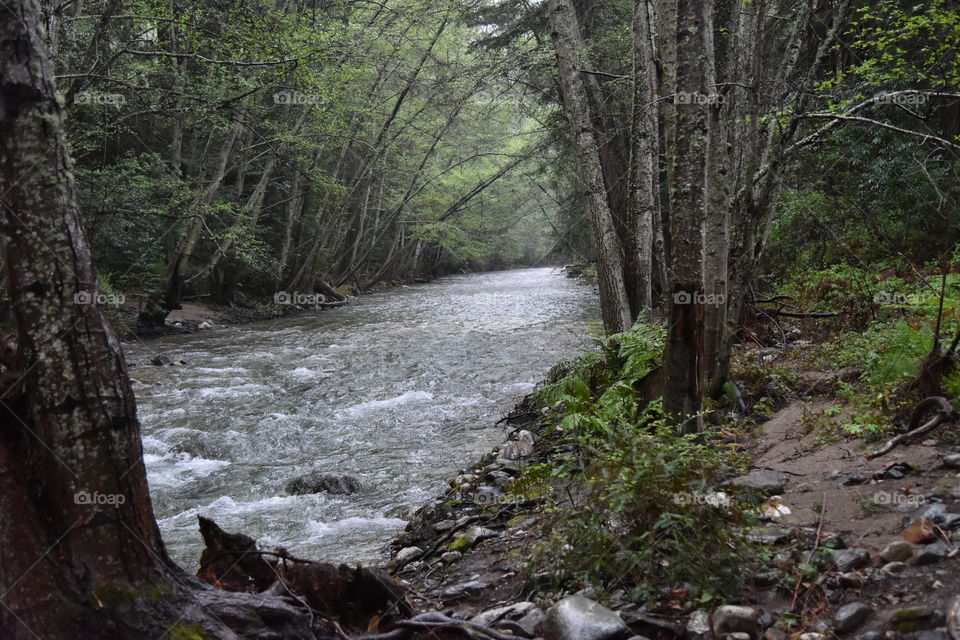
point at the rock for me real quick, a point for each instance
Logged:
(732, 618)
(508, 612)
(770, 535)
(895, 568)
(739, 635)
(583, 619)
(869, 635)
(774, 634)
(850, 616)
(929, 634)
(914, 619)
(405, 555)
(920, 532)
(768, 482)
(897, 551)
(833, 541)
(698, 625)
(952, 461)
(463, 589)
(851, 480)
(206, 324)
(931, 554)
(161, 361)
(812, 636)
(851, 580)
(532, 622)
(936, 512)
(953, 618)
(319, 481)
(847, 559)
(476, 534)
(525, 436)
(515, 450)
(951, 521)
(444, 525)
(450, 556)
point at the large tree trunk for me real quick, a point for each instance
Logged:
(80, 551)
(683, 392)
(614, 303)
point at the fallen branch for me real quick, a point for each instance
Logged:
(945, 413)
(805, 314)
(435, 621)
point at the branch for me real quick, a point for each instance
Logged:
(838, 117)
(945, 413)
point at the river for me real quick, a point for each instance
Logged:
(400, 389)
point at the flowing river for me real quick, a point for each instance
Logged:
(399, 389)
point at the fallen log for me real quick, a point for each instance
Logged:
(944, 413)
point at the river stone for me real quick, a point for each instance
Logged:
(698, 625)
(463, 589)
(931, 554)
(515, 450)
(319, 481)
(952, 461)
(532, 622)
(897, 551)
(733, 618)
(407, 554)
(850, 616)
(161, 361)
(508, 612)
(768, 482)
(847, 559)
(894, 568)
(476, 534)
(583, 619)
(450, 556)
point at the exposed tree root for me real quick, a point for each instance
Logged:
(944, 413)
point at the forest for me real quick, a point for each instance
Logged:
(561, 319)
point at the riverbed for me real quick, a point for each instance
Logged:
(399, 389)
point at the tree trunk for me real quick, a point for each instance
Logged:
(683, 362)
(614, 303)
(80, 551)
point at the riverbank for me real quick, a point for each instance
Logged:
(839, 544)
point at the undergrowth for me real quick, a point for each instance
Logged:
(633, 496)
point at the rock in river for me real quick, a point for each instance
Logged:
(583, 619)
(319, 481)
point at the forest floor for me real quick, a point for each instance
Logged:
(874, 534)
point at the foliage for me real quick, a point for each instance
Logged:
(639, 516)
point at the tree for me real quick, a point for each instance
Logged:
(80, 551)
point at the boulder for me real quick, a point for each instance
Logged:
(583, 619)
(321, 481)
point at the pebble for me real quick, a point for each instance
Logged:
(952, 461)
(450, 556)
(698, 625)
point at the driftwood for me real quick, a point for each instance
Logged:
(944, 413)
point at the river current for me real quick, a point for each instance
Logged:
(399, 389)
